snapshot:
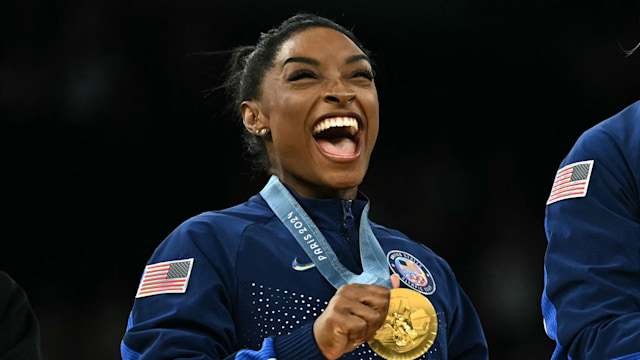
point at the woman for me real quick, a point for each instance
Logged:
(294, 273)
(592, 223)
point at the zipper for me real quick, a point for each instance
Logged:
(351, 233)
(349, 224)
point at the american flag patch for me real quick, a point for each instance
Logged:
(571, 181)
(165, 278)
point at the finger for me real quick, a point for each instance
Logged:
(378, 300)
(373, 316)
(357, 291)
(357, 329)
(371, 295)
(346, 315)
(337, 331)
(352, 317)
(395, 281)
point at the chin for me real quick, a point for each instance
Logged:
(344, 181)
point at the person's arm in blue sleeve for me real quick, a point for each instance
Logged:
(199, 323)
(466, 337)
(591, 301)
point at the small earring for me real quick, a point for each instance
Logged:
(263, 131)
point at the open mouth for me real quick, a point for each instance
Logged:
(338, 136)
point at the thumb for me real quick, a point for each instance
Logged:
(395, 281)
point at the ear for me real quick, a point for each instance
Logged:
(251, 118)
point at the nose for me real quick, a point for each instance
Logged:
(339, 93)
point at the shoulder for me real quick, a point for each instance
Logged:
(599, 179)
(8, 288)
(230, 220)
(393, 237)
(218, 230)
(18, 324)
(399, 246)
(615, 137)
(609, 153)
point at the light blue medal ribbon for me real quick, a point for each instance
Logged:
(310, 238)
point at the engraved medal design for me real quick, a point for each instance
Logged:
(410, 328)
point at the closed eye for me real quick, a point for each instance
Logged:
(364, 73)
(302, 74)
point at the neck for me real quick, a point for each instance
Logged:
(314, 191)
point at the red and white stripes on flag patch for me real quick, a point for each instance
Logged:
(165, 278)
(571, 181)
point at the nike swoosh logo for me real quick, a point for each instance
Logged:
(301, 267)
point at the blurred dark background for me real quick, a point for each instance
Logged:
(111, 138)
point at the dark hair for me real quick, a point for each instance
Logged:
(248, 65)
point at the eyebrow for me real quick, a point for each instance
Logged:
(301, 59)
(307, 60)
(356, 58)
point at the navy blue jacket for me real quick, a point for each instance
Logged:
(19, 327)
(253, 293)
(591, 299)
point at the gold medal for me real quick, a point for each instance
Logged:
(410, 328)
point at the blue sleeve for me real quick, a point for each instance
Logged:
(265, 353)
(196, 324)
(591, 299)
(200, 323)
(466, 340)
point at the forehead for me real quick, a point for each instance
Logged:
(317, 42)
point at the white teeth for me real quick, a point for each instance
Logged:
(325, 124)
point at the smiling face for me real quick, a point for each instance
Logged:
(320, 103)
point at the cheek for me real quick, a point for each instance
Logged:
(369, 101)
(288, 117)
(372, 110)
(373, 136)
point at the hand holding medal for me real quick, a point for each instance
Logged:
(398, 323)
(352, 317)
